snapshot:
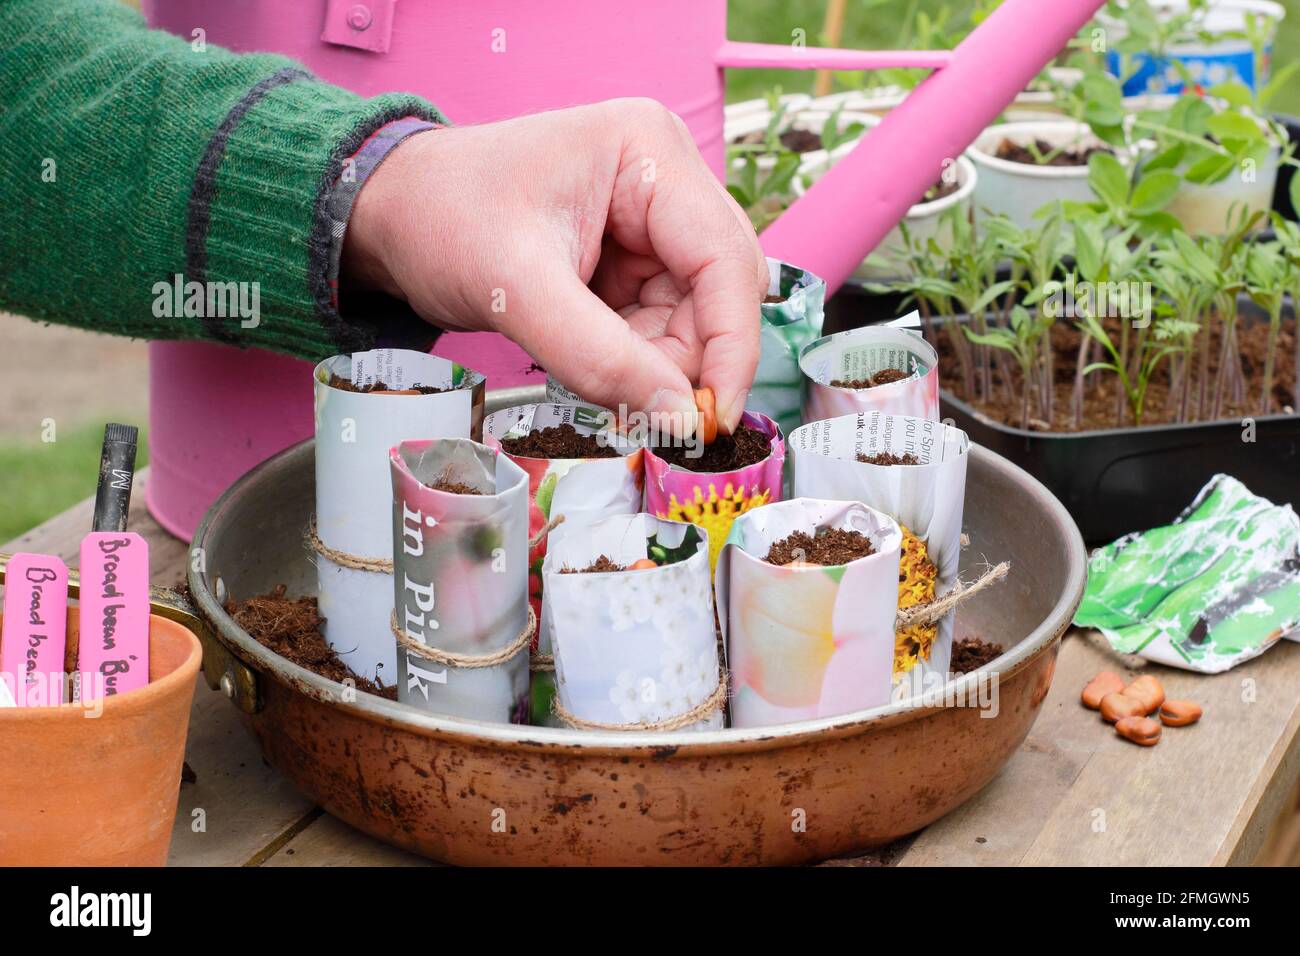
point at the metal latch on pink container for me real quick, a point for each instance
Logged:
(365, 26)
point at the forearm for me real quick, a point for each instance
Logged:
(133, 158)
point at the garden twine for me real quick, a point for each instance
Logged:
(342, 558)
(714, 702)
(932, 612)
(451, 659)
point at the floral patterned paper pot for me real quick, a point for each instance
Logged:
(925, 497)
(807, 641)
(713, 500)
(460, 579)
(583, 490)
(637, 648)
(791, 318)
(903, 364)
(376, 399)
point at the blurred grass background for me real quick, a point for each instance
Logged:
(38, 479)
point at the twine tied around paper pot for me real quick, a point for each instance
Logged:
(451, 659)
(342, 558)
(936, 609)
(701, 711)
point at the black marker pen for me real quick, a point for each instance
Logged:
(116, 473)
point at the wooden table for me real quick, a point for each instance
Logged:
(1221, 792)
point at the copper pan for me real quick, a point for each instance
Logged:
(467, 792)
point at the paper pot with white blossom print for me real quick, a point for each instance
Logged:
(886, 368)
(913, 470)
(365, 404)
(460, 579)
(806, 640)
(630, 609)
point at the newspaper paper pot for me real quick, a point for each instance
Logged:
(712, 500)
(635, 647)
(859, 354)
(787, 326)
(810, 641)
(460, 582)
(354, 431)
(582, 490)
(925, 498)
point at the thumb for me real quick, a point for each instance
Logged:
(591, 350)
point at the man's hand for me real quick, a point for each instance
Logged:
(595, 237)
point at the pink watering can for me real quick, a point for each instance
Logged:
(216, 411)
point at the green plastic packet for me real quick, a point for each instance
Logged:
(789, 322)
(1217, 587)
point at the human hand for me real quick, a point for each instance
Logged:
(595, 237)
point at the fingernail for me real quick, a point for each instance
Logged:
(673, 414)
(730, 418)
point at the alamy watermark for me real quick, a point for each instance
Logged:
(208, 300)
(1073, 299)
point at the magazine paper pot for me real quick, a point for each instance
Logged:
(712, 500)
(926, 499)
(786, 327)
(634, 647)
(354, 531)
(461, 578)
(807, 642)
(858, 354)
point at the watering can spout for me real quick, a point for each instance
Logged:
(832, 227)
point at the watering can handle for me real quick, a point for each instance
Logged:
(835, 224)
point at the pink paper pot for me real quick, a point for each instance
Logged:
(713, 500)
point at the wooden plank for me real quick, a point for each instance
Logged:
(245, 804)
(1077, 794)
(328, 841)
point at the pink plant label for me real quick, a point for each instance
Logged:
(35, 629)
(113, 656)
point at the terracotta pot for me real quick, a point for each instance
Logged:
(77, 790)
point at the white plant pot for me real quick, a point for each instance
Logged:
(735, 112)
(1018, 190)
(805, 119)
(1204, 209)
(922, 219)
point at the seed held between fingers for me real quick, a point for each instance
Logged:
(708, 407)
(1143, 731)
(1179, 713)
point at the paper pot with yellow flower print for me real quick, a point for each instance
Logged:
(925, 497)
(633, 647)
(713, 500)
(807, 641)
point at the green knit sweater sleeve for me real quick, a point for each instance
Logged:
(139, 167)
